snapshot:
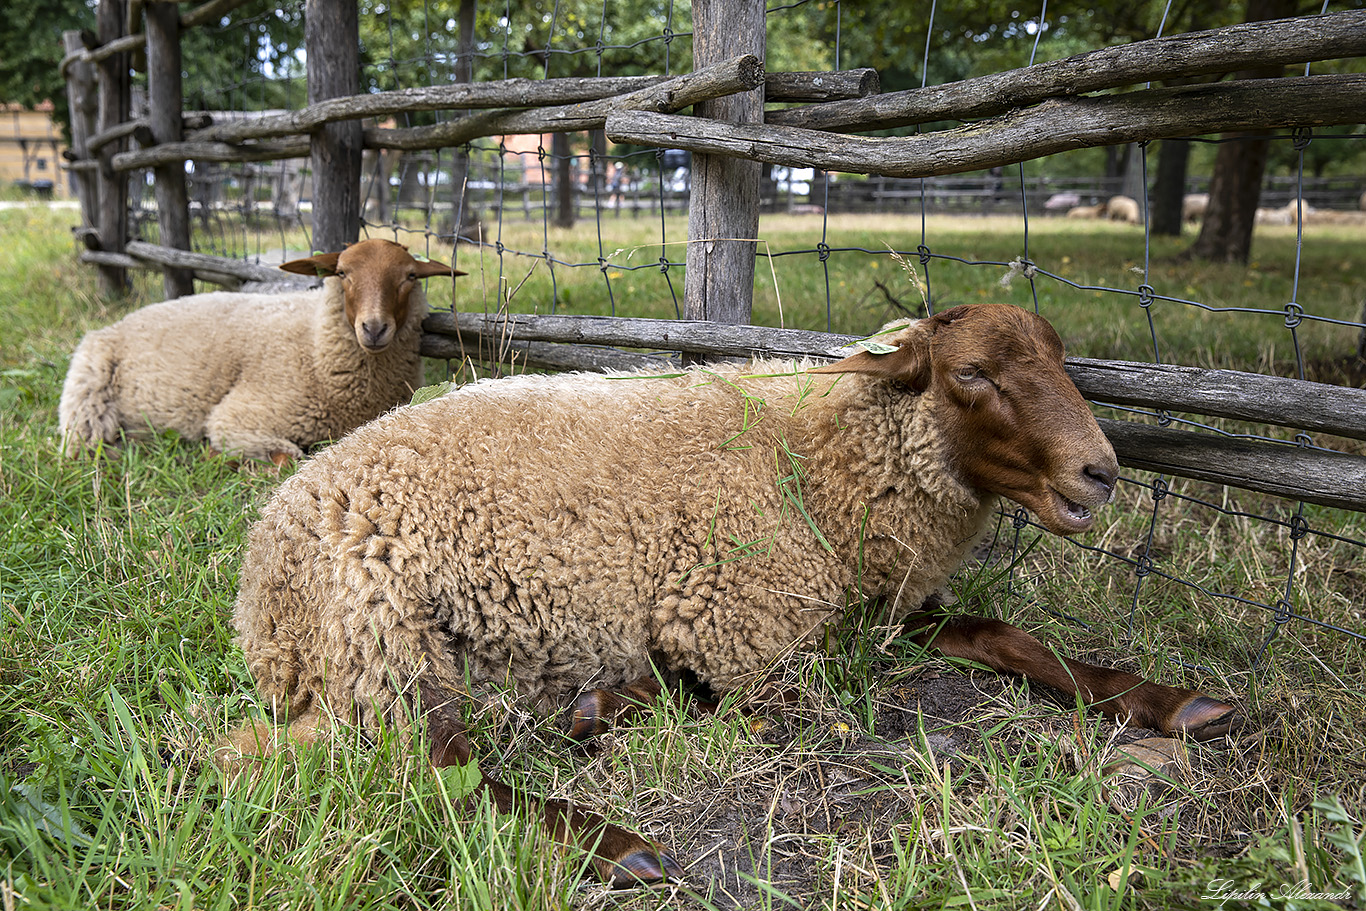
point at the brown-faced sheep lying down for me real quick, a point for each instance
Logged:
(589, 531)
(262, 376)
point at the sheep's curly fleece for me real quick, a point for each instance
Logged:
(571, 530)
(254, 374)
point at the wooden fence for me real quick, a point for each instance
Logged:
(1010, 117)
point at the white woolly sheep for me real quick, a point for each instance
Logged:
(1125, 209)
(1096, 211)
(262, 376)
(593, 531)
(1288, 214)
(1193, 206)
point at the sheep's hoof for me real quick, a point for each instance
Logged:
(590, 715)
(645, 867)
(212, 455)
(1204, 718)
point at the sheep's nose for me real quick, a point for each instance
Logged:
(374, 333)
(1102, 475)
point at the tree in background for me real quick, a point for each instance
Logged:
(255, 64)
(1236, 183)
(31, 51)
(252, 63)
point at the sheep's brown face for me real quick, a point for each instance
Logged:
(377, 277)
(1014, 423)
(1017, 425)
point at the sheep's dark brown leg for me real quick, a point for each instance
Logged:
(1011, 650)
(595, 711)
(620, 857)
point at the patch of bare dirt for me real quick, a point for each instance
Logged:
(768, 828)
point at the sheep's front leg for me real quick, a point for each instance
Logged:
(595, 711)
(246, 427)
(1009, 649)
(620, 857)
(246, 746)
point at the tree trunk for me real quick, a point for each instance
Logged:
(1133, 182)
(1234, 190)
(1169, 191)
(1361, 341)
(564, 180)
(1236, 184)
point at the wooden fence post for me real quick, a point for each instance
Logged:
(332, 46)
(460, 165)
(84, 103)
(115, 93)
(724, 205)
(165, 115)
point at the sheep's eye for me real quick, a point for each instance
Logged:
(340, 273)
(968, 374)
(412, 276)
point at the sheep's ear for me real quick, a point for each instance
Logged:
(321, 264)
(904, 357)
(430, 268)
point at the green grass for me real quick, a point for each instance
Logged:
(117, 672)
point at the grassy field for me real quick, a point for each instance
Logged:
(903, 781)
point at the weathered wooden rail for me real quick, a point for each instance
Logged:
(1052, 126)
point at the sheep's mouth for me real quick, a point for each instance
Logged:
(1071, 515)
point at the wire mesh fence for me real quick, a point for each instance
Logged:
(570, 224)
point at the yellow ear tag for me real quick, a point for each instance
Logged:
(876, 347)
